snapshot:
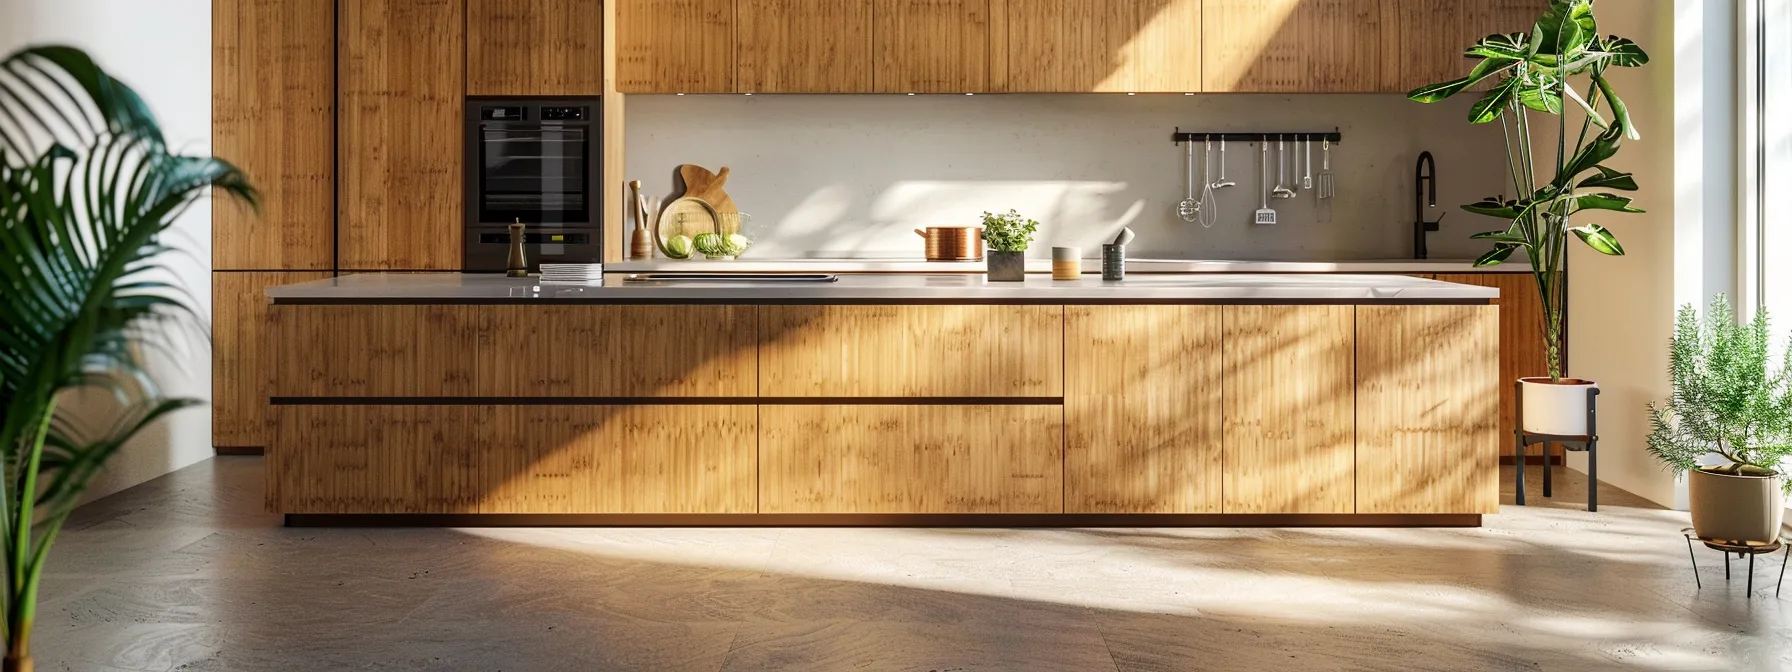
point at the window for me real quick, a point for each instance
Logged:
(1766, 130)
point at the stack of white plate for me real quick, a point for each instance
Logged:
(583, 274)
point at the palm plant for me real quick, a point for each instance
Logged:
(1532, 73)
(87, 190)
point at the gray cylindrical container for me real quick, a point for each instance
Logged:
(1113, 262)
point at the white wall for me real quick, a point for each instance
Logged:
(1682, 251)
(163, 50)
(851, 175)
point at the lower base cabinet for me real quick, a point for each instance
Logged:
(911, 459)
(512, 459)
(242, 360)
(1290, 404)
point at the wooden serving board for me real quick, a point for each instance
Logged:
(694, 181)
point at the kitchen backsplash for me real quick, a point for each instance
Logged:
(850, 176)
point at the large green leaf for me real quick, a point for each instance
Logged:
(1538, 93)
(1493, 207)
(1601, 240)
(1609, 179)
(1564, 32)
(1509, 46)
(1621, 52)
(1486, 68)
(1509, 237)
(1492, 105)
(1493, 258)
(1604, 201)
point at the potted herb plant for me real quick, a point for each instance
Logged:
(87, 190)
(1728, 424)
(1562, 61)
(1008, 236)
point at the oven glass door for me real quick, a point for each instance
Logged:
(534, 173)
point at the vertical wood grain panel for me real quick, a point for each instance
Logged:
(513, 459)
(614, 177)
(241, 357)
(910, 459)
(675, 46)
(273, 116)
(904, 351)
(516, 351)
(1069, 45)
(1164, 53)
(535, 48)
(1429, 36)
(1427, 415)
(1289, 391)
(1521, 344)
(400, 92)
(1294, 46)
(931, 46)
(804, 46)
(1142, 409)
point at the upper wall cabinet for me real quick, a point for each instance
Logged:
(1294, 46)
(400, 91)
(1429, 36)
(272, 116)
(1097, 45)
(804, 46)
(931, 46)
(675, 46)
(535, 48)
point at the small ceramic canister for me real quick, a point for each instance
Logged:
(1067, 263)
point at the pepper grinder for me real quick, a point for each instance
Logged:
(518, 267)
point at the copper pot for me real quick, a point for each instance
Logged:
(953, 243)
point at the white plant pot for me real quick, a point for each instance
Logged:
(1551, 408)
(1736, 508)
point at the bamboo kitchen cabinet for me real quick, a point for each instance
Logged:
(939, 46)
(273, 116)
(1522, 352)
(675, 46)
(1289, 409)
(400, 90)
(535, 48)
(1295, 46)
(242, 361)
(803, 46)
(1071, 46)
(1428, 37)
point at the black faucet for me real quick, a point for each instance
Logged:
(1424, 195)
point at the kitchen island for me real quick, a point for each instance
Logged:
(1207, 399)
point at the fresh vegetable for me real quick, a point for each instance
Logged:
(736, 244)
(678, 247)
(709, 244)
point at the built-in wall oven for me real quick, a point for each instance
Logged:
(535, 161)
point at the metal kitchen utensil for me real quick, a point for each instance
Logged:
(1190, 209)
(1326, 187)
(1265, 216)
(1307, 182)
(1281, 162)
(1209, 207)
(1223, 182)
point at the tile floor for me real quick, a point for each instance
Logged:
(186, 573)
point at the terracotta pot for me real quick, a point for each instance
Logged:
(1736, 508)
(1007, 266)
(1556, 408)
(953, 243)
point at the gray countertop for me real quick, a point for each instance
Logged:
(1090, 266)
(890, 288)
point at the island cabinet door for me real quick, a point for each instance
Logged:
(911, 459)
(911, 351)
(1142, 409)
(512, 459)
(1427, 409)
(614, 352)
(1289, 394)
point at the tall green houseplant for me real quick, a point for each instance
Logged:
(88, 188)
(1537, 73)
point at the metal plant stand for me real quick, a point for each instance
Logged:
(1740, 548)
(1588, 443)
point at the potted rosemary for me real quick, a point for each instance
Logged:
(1728, 424)
(1008, 236)
(1536, 73)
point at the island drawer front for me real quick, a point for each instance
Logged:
(514, 351)
(512, 459)
(1427, 409)
(911, 459)
(1142, 409)
(911, 351)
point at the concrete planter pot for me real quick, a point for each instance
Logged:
(1736, 508)
(1007, 266)
(1556, 408)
